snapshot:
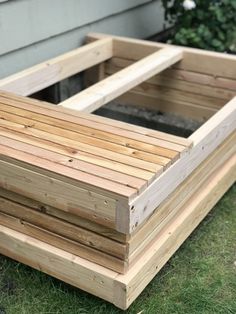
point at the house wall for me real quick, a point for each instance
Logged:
(32, 31)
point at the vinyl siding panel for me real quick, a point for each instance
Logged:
(32, 31)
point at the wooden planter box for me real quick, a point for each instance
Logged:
(103, 204)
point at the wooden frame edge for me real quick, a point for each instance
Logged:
(117, 84)
(52, 71)
(150, 46)
(205, 140)
(181, 227)
(121, 290)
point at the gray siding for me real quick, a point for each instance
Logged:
(32, 31)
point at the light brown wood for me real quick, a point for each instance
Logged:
(207, 62)
(62, 228)
(205, 140)
(173, 205)
(76, 248)
(121, 290)
(180, 108)
(179, 229)
(125, 197)
(60, 194)
(112, 87)
(93, 226)
(88, 120)
(58, 263)
(191, 82)
(101, 135)
(60, 234)
(52, 71)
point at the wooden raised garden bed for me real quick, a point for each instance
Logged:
(102, 204)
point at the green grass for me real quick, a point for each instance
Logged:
(200, 278)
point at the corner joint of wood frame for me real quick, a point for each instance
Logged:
(122, 218)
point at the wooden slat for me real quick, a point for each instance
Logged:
(30, 219)
(173, 205)
(167, 89)
(205, 139)
(89, 253)
(63, 228)
(58, 263)
(167, 94)
(81, 222)
(53, 192)
(148, 142)
(89, 120)
(73, 150)
(52, 71)
(120, 290)
(207, 62)
(189, 81)
(179, 229)
(112, 87)
(181, 108)
(26, 162)
(9, 139)
(97, 147)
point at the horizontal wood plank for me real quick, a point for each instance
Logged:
(89, 120)
(206, 139)
(173, 205)
(165, 245)
(68, 139)
(181, 108)
(208, 62)
(197, 83)
(55, 70)
(121, 290)
(108, 89)
(102, 130)
(63, 243)
(94, 226)
(58, 263)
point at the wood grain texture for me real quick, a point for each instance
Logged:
(71, 246)
(55, 70)
(206, 139)
(174, 204)
(27, 217)
(92, 225)
(189, 81)
(175, 234)
(207, 62)
(108, 89)
(89, 120)
(178, 107)
(120, 290)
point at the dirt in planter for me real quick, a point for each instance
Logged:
(165, 122)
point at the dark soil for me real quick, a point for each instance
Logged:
(165, 122)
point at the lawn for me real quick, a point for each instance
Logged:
(200, 278)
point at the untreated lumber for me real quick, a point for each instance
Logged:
(120, 290)
(49, 145)
(189, 81)
(78, 118)
(173, 205)
(195, 60)
(178, 107)
(27, 217)
(108, 89)
(55, 70)
(205, 140)
(78, 190)
(72, 219)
